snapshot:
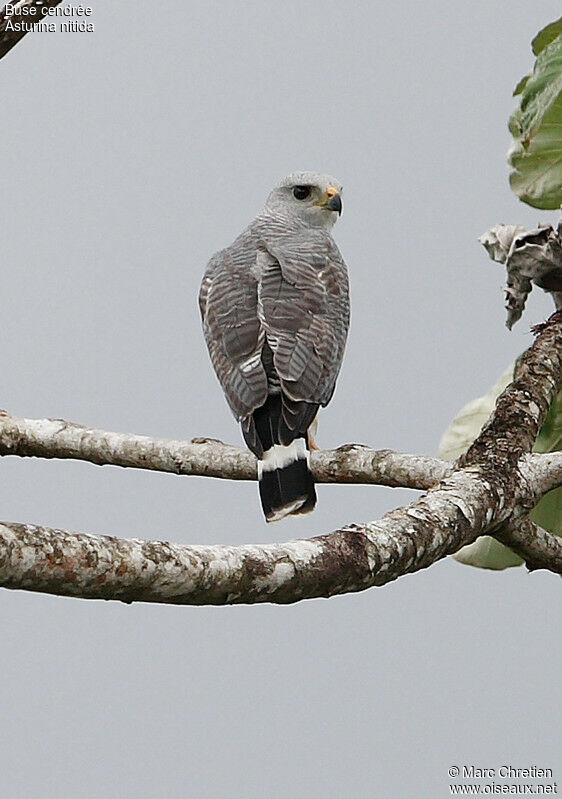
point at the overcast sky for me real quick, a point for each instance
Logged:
(130, 155)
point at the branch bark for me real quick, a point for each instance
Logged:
(539, 548)
(352, 558)
(495, 484)
(207, 457)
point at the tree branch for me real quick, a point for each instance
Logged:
(350, 559)
(207, 457)
(496, 482)
(539, 548)
(9, 36)
(545, 469)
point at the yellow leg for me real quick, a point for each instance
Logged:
(311, 442)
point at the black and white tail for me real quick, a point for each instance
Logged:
(285, 481)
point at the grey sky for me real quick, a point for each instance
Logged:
(129, 156)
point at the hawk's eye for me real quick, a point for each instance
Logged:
(301, 192)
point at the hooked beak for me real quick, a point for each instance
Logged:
(334, 200)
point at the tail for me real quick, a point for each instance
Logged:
(285, 481)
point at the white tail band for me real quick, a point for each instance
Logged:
(280, 456)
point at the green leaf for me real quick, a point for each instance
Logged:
(487, 553)
(548, 513)
(546, 36)
(536, 126)
(521, 85)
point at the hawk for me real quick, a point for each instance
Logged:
(275, 312)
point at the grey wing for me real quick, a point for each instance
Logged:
(232, 328)
(304, 303)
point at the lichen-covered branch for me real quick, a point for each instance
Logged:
(353, 558)
(521, 409)
(350, 559)
(539, 548)
(17, 16)
(493, 487)
(546, 470)
(207, 457)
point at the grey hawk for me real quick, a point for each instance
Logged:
(275, 311)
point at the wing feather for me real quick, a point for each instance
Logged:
(304, 306)
(232, 328)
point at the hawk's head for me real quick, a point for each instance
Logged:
(310, 196)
